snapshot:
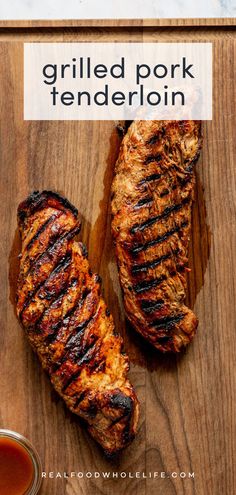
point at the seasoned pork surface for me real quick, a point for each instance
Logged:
(67, 322)
(152, 194)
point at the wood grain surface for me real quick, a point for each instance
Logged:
(114, 23)
(187, 402)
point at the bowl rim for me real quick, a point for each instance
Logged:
(31, 450)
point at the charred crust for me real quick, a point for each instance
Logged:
(146, 285)
(136, 248)
(98, 279)
(168, 322)
(122, 127)
(150, 178)
(84, 251)
(190, 166)
(39, 200)
(143, 202)
(165, 340)
(101, 367)
(120, 401)
(79, 399)
(153, 158)
(91, 409)
(53, 245)
(154, 139)
(149, 305)
(167, 212)
(41, 229)
(149, 264)
(165, 192)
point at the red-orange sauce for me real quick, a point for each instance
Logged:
(16, 468)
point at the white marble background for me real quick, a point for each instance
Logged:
(101, 9)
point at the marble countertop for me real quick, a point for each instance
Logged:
(105, 9)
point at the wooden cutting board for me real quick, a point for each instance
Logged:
(188, 401)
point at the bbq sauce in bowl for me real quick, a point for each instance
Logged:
(19, 465)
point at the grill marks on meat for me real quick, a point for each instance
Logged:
(67, 322)
(152, 194)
